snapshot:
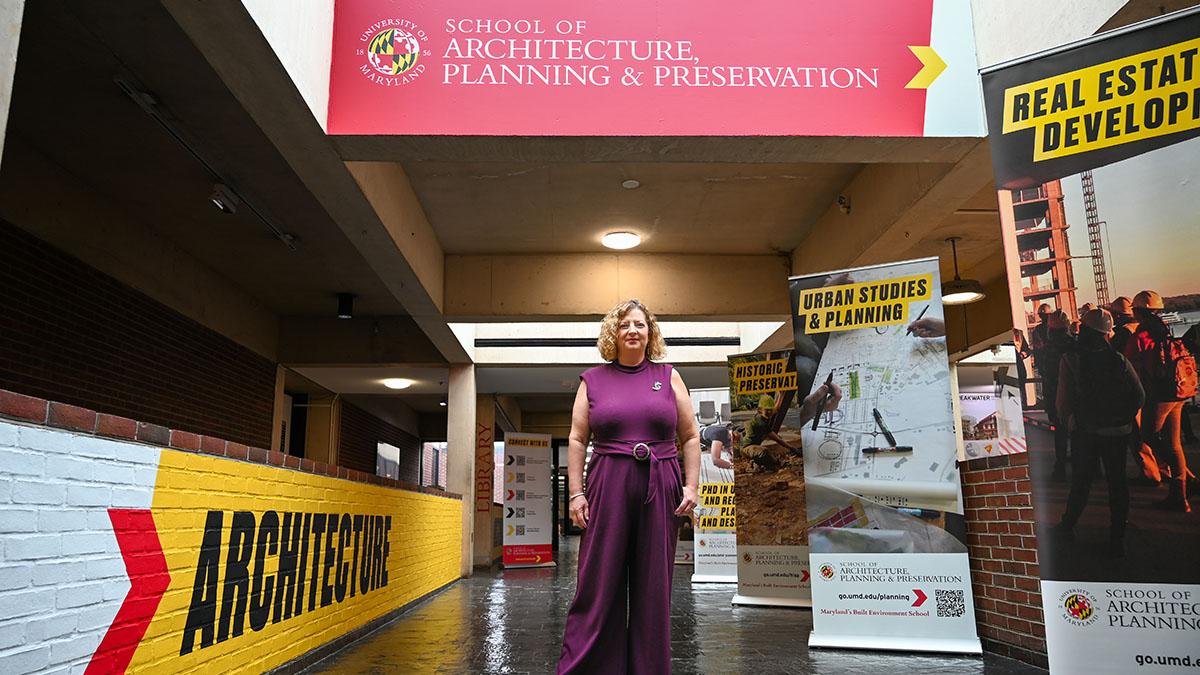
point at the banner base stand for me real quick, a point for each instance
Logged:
(714, 578)
(897, 643)
(760, 601)
(517, 566)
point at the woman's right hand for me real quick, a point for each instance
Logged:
(579, 511)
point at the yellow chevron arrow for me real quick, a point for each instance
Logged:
(511, 529)
(932, 65)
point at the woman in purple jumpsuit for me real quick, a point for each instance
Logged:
(634, 409)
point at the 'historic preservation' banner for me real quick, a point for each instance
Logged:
(1095, 149)
(884, 509)
(772, 541)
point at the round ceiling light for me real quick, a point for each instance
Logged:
(621, 240)
(631, 184)
(398, 383)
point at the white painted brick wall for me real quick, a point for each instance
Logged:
(62, 578)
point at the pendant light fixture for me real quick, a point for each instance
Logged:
(959, 291)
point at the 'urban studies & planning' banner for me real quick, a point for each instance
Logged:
(885, 524)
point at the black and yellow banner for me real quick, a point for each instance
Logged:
(867, 304)
(1096, 103)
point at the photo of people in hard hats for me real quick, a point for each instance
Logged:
(1111, 290)
(768, 467)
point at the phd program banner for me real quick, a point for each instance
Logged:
(528, 505)
(654, 68)
(1095, 150)
(884, 509)
(768, 468)
(714, 542)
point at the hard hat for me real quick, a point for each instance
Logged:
(1148, 300)
(766, 402)
(1122, 306)
(1098, 320)
(1087, 307)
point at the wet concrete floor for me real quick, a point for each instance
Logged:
(511, 621)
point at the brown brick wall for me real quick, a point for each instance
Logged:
(72, 334)
(361, 432)
(1004, 559)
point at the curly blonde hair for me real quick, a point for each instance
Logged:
(656, 348)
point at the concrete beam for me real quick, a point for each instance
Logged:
(387, 188)
(741, 149)
(11, 12)
(362, 341)
(892, 208)
(229, 38)
(572, 286)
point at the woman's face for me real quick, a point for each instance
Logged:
(633, 333)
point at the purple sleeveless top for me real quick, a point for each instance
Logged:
(631, 404)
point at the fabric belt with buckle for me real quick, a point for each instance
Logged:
(642, 451)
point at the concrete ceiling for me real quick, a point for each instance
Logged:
(516, 207)
(369, 380)
(69, 112)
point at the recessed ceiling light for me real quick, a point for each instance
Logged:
(398, 383)
(631, 184)
(621, 240)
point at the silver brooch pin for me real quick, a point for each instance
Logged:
(657, 386)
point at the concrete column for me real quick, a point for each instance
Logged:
(11, 12)
(461, 440)
(485, 468)
(280, 412)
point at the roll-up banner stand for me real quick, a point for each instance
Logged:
(528, 506)
(1097, 165)
(772, 540)
(714, 545)
(885, 524)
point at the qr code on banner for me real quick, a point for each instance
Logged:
(950, 603)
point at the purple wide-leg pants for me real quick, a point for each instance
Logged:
(626, 560)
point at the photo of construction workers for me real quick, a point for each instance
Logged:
(768, 466)
(1108, 355)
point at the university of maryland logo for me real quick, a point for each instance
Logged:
(748, 558)
(827, 571)
(1079, 607)
(393, 52)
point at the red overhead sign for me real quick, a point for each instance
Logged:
(651, 68)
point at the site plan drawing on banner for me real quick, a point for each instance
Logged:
(904, 380)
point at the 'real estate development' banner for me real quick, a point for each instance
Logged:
(654, 68)
(1095, 150)
(528, 503)
(890, 570)
(772, 541)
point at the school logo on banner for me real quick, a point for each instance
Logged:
(393, 52)
(1079, 607)
(827, 571)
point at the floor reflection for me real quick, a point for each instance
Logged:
(511, 621)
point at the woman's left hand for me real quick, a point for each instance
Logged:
(688, 503)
